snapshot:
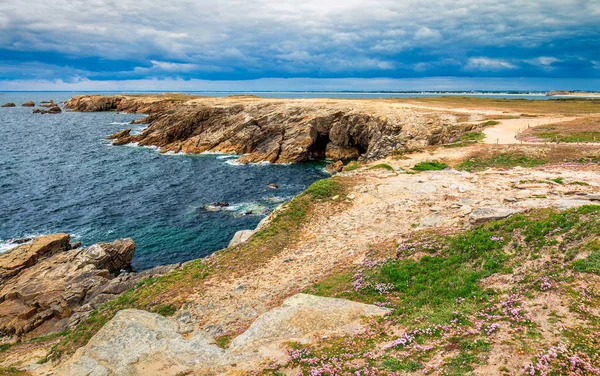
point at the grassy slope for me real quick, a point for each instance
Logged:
(165, 295)
(451, 313)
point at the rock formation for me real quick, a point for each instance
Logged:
(274, 130)
(135, 341)
(47, 286)
(28, 104)
(9, 104)
(54, 109)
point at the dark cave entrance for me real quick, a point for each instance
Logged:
(317, 149)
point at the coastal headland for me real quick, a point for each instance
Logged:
(459, 237)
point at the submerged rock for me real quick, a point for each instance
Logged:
(54, 109)
(28, 104)
(9, 104)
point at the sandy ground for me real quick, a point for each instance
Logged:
(505, 133)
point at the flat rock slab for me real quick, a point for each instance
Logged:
(137, 342)
(485, 214)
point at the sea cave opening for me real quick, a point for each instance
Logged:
(318, 147)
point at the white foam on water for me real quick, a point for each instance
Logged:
(120, 123)
(227, 156)
(6, 245)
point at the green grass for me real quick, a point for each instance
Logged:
(430, 166)
(489, 123)
(558, 180)
(352, 166)
(323, 189)
(591, 264)
(579, 183)
(503, 160)
(466, 139)
(568, 137)
(395, 365)
(383, 166)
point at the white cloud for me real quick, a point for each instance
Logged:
(487, 64)
(426, 33)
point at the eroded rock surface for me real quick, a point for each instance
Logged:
(47, 286)
(275, 130)
(137, 342)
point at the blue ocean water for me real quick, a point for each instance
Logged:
(58, 174)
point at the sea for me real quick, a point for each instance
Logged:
(59, 174)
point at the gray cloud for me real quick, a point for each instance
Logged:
(312, 37)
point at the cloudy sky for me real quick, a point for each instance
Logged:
(300, 45)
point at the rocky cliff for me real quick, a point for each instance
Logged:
(47, 285)
(276, 130)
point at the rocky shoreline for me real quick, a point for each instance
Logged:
(49, 285)
(276, 131)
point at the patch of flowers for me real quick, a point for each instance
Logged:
(545, 284)
(562, 360)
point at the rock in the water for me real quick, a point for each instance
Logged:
(273, 186)
(28, 104)
(136, 342)
(9, 104)
(47, 104)
(54, 109)
(485, 214)
(241, 237)
(335, 167)
(121, 138)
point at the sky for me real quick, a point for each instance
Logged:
(300, 45)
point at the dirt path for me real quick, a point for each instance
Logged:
(505, 133)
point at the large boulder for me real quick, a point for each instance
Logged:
(48, 286)
(137, 342)
(28, 104)
(9, 104)
(241, 237)
(44, 295)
